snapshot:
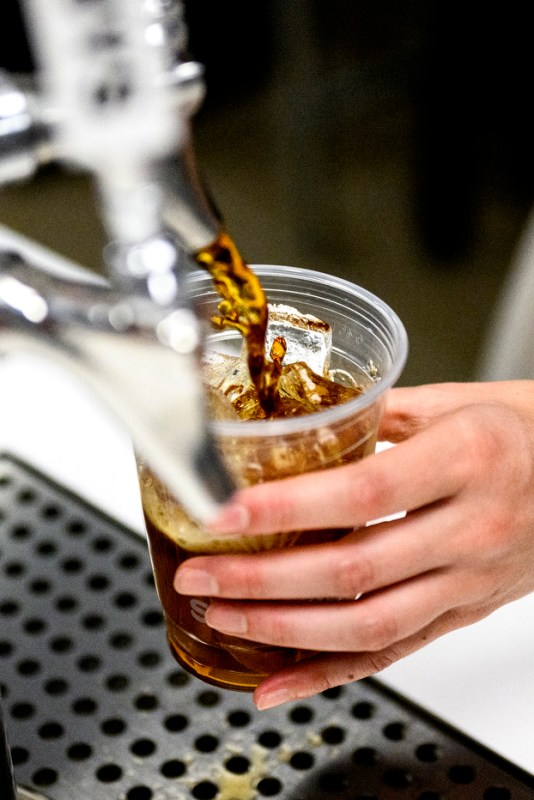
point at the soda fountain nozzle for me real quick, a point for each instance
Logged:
(114, 98)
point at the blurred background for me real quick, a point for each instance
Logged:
(385, 142)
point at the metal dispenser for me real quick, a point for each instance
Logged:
(114, 97)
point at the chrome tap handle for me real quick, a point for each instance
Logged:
(141, 359)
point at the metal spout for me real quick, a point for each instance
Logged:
(140, 357)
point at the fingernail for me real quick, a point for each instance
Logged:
(195, 581)
(232, 518)
(273, 698)
(226, 620)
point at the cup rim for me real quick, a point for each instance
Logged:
(292, 425)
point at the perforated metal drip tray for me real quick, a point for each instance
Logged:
(96, 708)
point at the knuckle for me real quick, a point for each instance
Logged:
(354, 573)
(481, 443)
(377, 632)
(380, 660)
(370, 493)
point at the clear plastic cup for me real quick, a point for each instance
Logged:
(369, 342)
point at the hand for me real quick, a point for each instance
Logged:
(463, 469)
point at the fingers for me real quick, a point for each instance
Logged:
(361, 562)
(373, 623)
(349, 496)
(324, 671)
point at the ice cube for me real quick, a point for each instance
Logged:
(308, 338)
(229, 384)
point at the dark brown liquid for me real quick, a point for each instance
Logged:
(220, 659)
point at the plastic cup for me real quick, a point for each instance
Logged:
(370, 342)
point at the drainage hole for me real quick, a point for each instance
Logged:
(363, 710)
(395, 731)
(301, 714)
(76, 527)
(50, 511)
(89, 663)
(46, 548)
(269, 739)
(428, 752)
(121, 640)
(117, 683)
(152, 619)
(13, 569)
(174, 768)
(237, 765)
(333, 734)
(149, 658)
(93, 622)
(34, 625)
(6, 648)
(40, 586)
(9, 608)
(129, 561)
(84, 706)
(28, 667)
(176, 723)
(45, 777)
(51, 730)
(61, 644)
(26, 495)
(365, 756)
(139, 793)
(79, 751)
(125, 600)
(497, 793)
(56, 686)
(143, 747)
(22, 710)
(108, 773)
(206, 743)
(72, 565)
(269, 787)
(113, 726)
(98, 582)
(19, 755)
(102, 544)
(66, 603)
(178, 678)
(205, 790)
(397, 778)
(21, 532)
(238, 719)
(302, 760)
(146, 702)
(208, 699)
(462, 773)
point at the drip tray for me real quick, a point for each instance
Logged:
(96, 708)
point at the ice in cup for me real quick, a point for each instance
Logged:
(364, 345)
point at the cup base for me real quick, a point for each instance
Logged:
(227, 661)
(221, 678)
